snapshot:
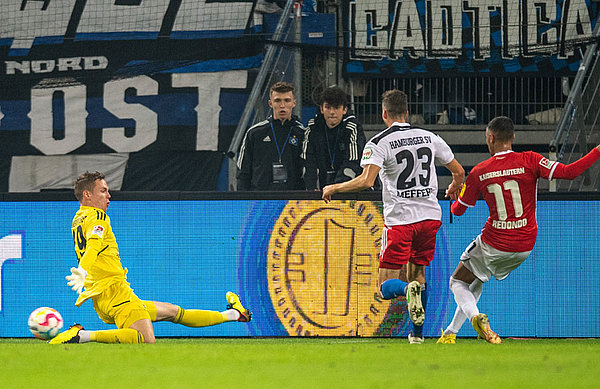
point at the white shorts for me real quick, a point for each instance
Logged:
(485, 261)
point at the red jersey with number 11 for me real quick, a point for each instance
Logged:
(508, 184)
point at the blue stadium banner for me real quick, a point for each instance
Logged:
(419, 37)
(106, 76)
(123, 81)
(305, 268)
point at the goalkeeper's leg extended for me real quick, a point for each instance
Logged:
(76, 334)
(197, 317)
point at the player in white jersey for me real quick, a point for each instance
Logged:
(403, 157)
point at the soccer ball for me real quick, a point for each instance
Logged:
(45, 323)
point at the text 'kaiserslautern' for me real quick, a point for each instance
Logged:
(502, 173)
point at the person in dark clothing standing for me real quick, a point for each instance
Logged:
(269, 157)
(333, 142)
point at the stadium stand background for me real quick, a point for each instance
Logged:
(152, 93)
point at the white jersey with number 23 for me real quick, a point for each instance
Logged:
(406, 156)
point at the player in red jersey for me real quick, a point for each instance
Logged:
(508, 183)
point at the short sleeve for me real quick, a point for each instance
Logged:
(373, 154)
(443, 152)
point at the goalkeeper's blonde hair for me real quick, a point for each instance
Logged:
(86, 181)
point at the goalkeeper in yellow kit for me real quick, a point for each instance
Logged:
(101, 277)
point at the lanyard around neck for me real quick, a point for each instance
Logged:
(337, 133)
(280, 152)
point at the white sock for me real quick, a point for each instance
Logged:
(231, 314)
(459, 317)
(457, 321)
(465, 299)
(84, 336)
(476, 287)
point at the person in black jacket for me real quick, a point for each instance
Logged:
(333, 142)
(269, 157)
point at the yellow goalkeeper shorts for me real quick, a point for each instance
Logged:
(118, 305)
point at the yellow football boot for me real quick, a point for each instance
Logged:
(69, 336)
(447, 339)
(481, 324)
(235, 303)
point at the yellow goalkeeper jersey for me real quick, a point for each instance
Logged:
(97, 251)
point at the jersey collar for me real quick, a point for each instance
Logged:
(401, 124)
(502, 153)
(88, 207)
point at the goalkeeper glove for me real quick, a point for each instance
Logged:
(76, 279)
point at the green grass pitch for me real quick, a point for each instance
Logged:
(302, 363)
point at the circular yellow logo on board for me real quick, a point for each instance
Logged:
(322, 268)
